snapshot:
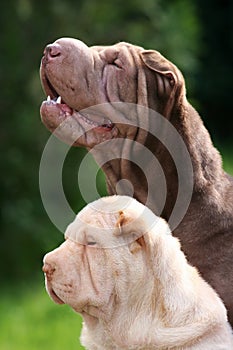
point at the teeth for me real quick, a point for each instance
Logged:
(107, 122)
(58, 100)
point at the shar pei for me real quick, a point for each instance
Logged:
(123, 103)
(124, 272)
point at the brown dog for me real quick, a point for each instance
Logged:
(105, 76)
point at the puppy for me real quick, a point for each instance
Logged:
(124, 272)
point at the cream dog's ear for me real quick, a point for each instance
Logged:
(135, 239)
(122, 220)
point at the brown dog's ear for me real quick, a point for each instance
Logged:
(156, 62)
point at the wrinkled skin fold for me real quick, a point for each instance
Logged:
(93, 83)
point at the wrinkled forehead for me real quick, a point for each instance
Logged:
(104, 230)
(113, 51)
(112, 221)
(117, 46)
(97, 220)
(105, 211)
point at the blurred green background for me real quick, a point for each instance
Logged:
(196, 35)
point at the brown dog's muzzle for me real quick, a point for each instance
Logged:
(52, 50)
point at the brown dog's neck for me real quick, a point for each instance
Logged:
(153, 178)
(206, 160)
(211, 206)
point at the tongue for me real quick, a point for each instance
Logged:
(66, 108)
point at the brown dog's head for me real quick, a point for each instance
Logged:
(84, 85)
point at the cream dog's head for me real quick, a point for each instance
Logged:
(104, 258)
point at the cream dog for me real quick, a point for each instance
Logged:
(124, 272)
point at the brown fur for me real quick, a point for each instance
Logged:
(85, 77)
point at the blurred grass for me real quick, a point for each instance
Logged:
(30, 320)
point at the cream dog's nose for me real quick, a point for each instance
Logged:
(48, 269)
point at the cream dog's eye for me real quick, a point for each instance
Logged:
(91, 243)
(90, 240)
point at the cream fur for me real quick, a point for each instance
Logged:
(124, 272)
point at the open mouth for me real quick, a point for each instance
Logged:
(99, 122)
(55, 297)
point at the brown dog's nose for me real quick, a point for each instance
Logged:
(48, 269)
(52, 50)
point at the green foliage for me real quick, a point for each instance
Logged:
(227, 162)
(227, 158)
(214, 77)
